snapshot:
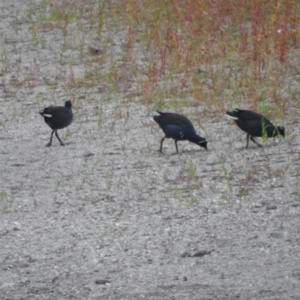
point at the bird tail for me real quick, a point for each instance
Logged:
(233, 114)
(155, 118)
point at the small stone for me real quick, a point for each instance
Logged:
(186, 254)
(201, 253)
(201, 71)
(270, 207)
(55, 279)
(102, 281)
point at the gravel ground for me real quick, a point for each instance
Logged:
(108, 217)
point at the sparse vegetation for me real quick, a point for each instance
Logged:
(245, 49)
(107, 204)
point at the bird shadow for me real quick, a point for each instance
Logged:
(255, 147)
(58, 145)
(69, 143)
(181, 152)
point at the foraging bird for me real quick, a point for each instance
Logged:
(179, 128)
(255, 125)
(58, 117)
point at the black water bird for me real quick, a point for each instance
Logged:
(255, 125)
(179, 128)
(58, 117)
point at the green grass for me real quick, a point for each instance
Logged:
(2, 196)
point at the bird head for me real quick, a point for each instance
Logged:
(203, 143)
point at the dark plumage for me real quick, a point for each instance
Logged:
(58, 117)
(254, 124)
(179, 128)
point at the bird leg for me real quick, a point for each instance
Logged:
(176, 146)
(61, 143)
(50, 142)
(248, 135)
(253, 140)
(161, 144)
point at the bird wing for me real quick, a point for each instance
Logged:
(251, 116)
(246, 115)
(175, 119)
